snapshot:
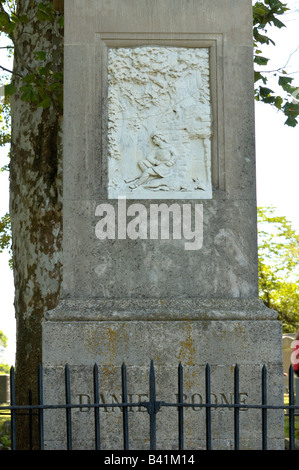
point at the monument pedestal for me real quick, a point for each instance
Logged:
(194, 333)
(159, 119)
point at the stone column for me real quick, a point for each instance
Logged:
(159, 116)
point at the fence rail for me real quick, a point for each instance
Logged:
(152, 406)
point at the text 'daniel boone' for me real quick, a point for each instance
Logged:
(159, 123)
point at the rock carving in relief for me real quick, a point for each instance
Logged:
(159, 123)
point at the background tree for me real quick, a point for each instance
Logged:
(266, 13)
(279, 267)
(4, 368)
(5, 235)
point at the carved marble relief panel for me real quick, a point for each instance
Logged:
(159, 123)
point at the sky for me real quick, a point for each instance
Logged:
(277, 162)
(277, 145)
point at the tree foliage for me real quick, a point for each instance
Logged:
(5, 236)
(42, 83)
(279, 266)
(266, 13)
(4, 232)
(4, 368)
(4, 126)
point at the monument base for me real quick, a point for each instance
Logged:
(221, 333)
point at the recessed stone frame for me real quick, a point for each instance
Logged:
(214, 44)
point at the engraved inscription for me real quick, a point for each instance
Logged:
(138, 398)
(159, 123)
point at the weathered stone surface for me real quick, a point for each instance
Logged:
(222, 344)
(133, 300)
(111, 418)
(193, 308)
(225, 266)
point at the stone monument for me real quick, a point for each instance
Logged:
(160, 241)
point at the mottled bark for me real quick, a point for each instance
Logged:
(59, 5)
(35, 204)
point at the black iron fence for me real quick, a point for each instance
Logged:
(152, 406)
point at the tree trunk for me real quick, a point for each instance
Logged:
(35, 204)
(59, 5)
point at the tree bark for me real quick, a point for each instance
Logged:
(35, 205)
(59, 5)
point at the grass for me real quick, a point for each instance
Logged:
(4, 432)
(286, 420)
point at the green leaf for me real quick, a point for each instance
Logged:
(23, 19)
(292, 122)
(10, 89)
(41, 55)
(45, 6)
(43, 71)
(261, 38)
(269, 99)
(259, 9)
(291, 109)
(45, 103)
(278, 102)
(264, 91)
(30, 78)
(42, 16)
(29, 94)
(45, 11)
(283, 81)
(261, 60)
(3, 20)
(5, 235)
(278, 23)
(259, 76)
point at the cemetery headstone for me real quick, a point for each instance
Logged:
(4, 388)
